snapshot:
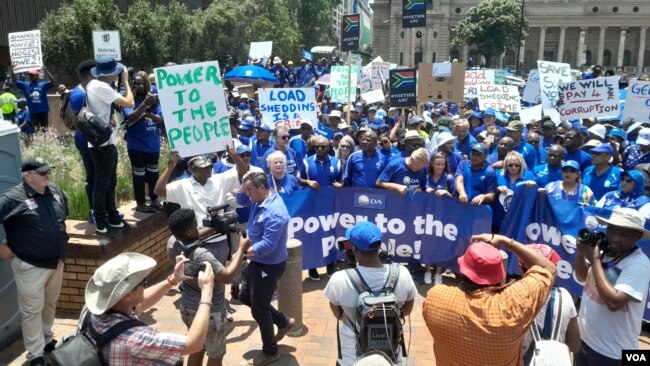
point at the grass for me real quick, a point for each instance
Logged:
(59, 150)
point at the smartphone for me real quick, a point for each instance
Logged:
(345, 245)
(192, 269)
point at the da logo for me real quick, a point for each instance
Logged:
(369, 200)
(591, 222)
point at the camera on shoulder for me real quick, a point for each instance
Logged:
(591, 238)
(221, 221)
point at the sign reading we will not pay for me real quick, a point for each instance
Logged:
(194, 105)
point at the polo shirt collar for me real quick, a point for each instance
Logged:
(268, 200)
(195, 182)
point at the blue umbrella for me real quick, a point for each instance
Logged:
(251, 74)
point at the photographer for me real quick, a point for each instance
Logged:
(143, 141)
(616, 275)
(183, 226)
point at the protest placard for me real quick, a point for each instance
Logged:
(373, 96)
(414, 14)
(261, 49)
(432, 89)
(442, 69)
(500, 97)
(550, 75)
(287, 106)
(350, 30)
(25, 51)
(591, 98)
(474, 78)
(531, 114)
(403, 88)
(339, 87)
(500, 77)
(379, 74)
(193, 102)
(107, 43)
(637, 106)
(531, 92)
(365, 84)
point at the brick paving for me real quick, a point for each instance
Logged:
(316, 347)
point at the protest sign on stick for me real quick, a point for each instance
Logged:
(403, 88)
(531, 114)
(339, 86)
(637, 106)
(550, 75)
(350, 30)
(373, 96)
(107, 43)
(287, 106)
(500, 97)
(474, 78)
(414, 13)
(25, 51)
(531, 92)
(261, 49)
(193, 102)
(591, 98)
(378, 74)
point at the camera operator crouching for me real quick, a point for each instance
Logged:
(616, 275)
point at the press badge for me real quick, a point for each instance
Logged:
(31, 203)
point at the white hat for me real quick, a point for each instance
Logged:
(444, 137)
(483, 134)
(343, 125)
(412, 135)
(115, 279)
(628, 218)
(277, 60)
(598, 130)
(244, 96)
(335, 113)
(591, 143)
(307, 121)
(644, 137)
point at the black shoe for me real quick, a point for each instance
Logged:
(116, 222)
(156, 205)
(234, 292)
(38, 361)
(331, 268)
(313, 274)
(50, 346)
(101, 227)
(144, 208)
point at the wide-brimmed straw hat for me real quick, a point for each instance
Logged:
(627, 218)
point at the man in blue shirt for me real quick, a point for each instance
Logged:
(299, 142)
(268, 233)
(476, 181)
(515, 130)
(321, 169)
(572, 143)
(364, 166)
(405, 174)
(551, 171)
(548, 133)
(601, 176)
(540, 153)
(261, 144)
(464, 141)
(36, 94)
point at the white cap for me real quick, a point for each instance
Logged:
(277, 60)
(444, 137)
(307, 121)
(598, 130)
(644, 137)
(335, 113)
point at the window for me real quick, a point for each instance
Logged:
(549, 56)
(433, 59)
(588, 61)
(510, 59)
(455, 54)
(627, 58)
(429, 4)
(566, 57)
(401, 58)
(607, 58)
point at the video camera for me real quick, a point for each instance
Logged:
(221, 221)
(591, 238)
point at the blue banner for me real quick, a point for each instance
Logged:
(533, 217)
(417, 227)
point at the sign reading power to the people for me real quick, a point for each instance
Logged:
(194, 107)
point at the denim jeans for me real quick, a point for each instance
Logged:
(105, 160)
(588, 357)
(258, 284)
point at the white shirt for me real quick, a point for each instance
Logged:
(341, 292)
(100, 96)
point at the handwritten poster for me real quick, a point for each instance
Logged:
(550, 75)
(339, 87)
(591, 98)
(474, 78)
(637, 105)
(25, 51)
(531, 92)
(287, 106)
(500, 97)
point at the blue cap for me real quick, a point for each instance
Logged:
(364, 235)
(242, 149)
(617, 132)
(478, 115)
(490, 112)
(571, 164)
(428, 104)
(247, 124)
(265, 128)
(480, 147)
(338, 133)
(603, 148)
(584, 130)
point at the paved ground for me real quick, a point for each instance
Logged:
(317, 345)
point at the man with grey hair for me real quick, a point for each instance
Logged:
(406, 174)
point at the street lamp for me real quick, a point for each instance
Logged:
(521, 30)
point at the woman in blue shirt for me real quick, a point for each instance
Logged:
(279, 180)
(514, 172)
(570, 188)
(629, 194)
(143, 141)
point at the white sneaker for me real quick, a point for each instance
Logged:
(427, 278)
(438, 279)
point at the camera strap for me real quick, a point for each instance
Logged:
(616, 260)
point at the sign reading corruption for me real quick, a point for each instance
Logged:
(591, 98)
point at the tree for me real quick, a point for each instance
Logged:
(220, 30)
(493, 26)
(180, 32)
(143, 38)
(314, 21)
(274, 23)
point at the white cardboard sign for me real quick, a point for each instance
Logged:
(591, 98)
(287, 106)
(500, 97)
(107, 43)
(474, 78)
(550, 75)
(261, 49)
(531, 92)
(25, 51)
(373, 96)
(637, 105)
(339, 84)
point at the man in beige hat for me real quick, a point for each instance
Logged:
(616, 279)
(118, 292)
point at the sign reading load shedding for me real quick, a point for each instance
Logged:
(414, 14)
(350, 30)
(403, 88)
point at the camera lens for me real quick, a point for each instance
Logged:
(585, 234)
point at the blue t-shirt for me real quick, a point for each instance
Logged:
(446, 182)
(36, 95)
(465, 146)
(541, 155)
(546, 174)
(453, 159)
(390, 153)
(528, 152)
(324, 172)
(299, 146)
(76, 102)
(142, 135)
(475, 182)
(23, 116)
(583, 158)
(291, 166)
(257, 152)
(601, 184)
(396, 171)
(287, 184)
(362, 170)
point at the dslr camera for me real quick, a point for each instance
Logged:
(221, 221)
(591, 238)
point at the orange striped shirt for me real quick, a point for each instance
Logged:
(486, 326)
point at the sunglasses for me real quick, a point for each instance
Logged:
(322, 147)
(345, 147)
(245, 155)
(628, 180)
(285, 137)
(42, 174)
(514, 165)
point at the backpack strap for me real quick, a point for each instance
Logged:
(393, 276)
(357, 280)
(546, 332)
(113, 332)
(558, 318)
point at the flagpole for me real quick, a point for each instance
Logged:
(347, 92)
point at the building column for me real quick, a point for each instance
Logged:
(639, 60)
(542, 40)
(621, 47)
(560, 49)
(581, 47)
(465, 54)
(601, 46)
(502, 56)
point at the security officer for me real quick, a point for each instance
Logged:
(33, 213)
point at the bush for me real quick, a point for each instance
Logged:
(59, 150)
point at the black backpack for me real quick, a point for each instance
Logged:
(379, 320)
(83, 348)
